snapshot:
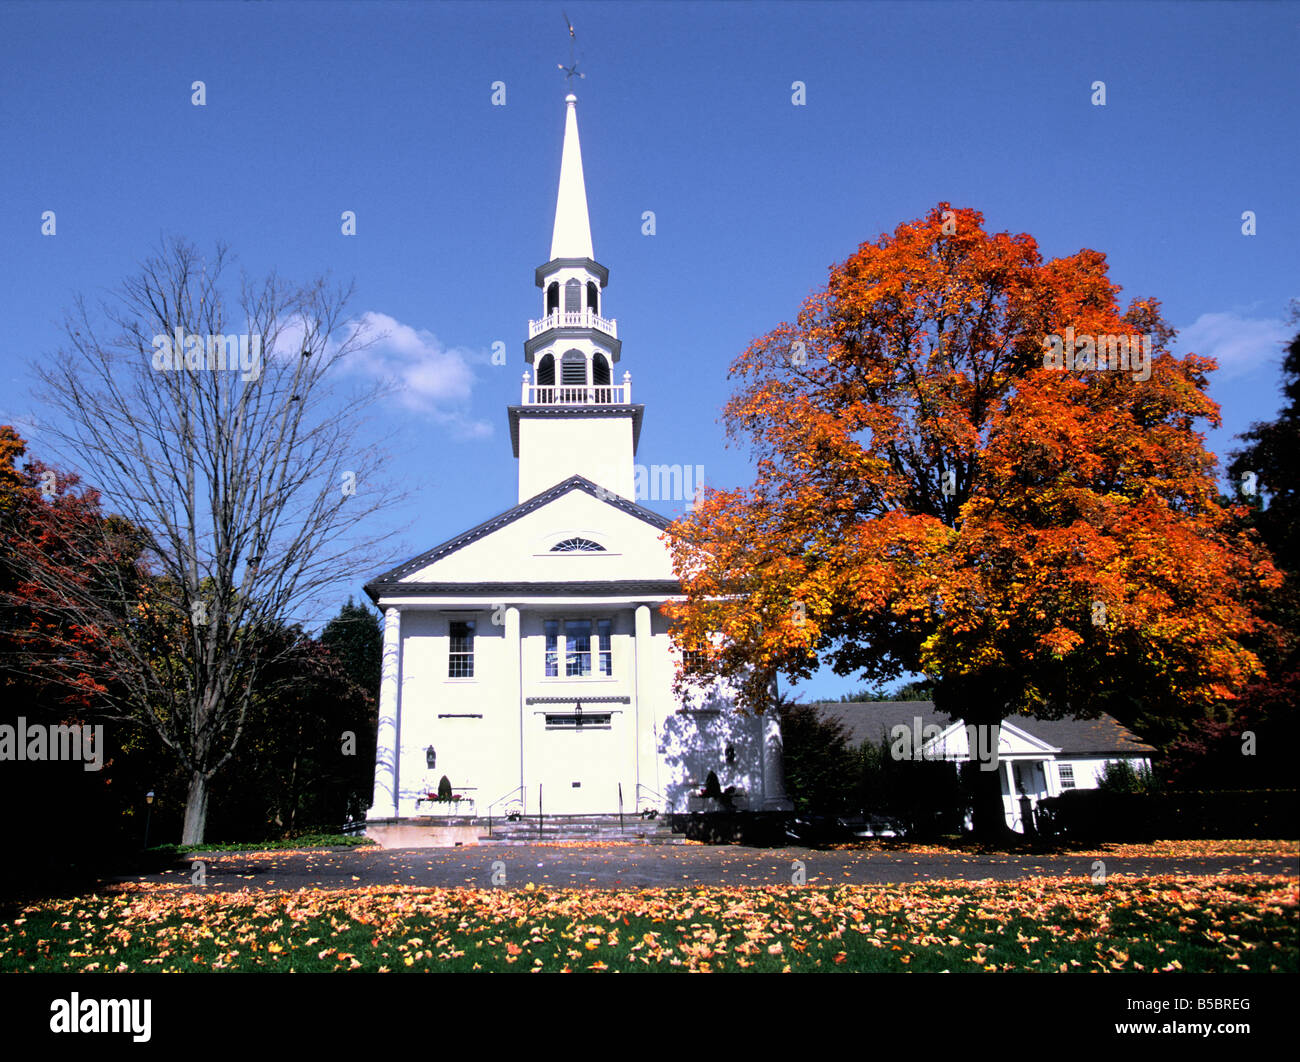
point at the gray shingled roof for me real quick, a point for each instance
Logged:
(873, 720)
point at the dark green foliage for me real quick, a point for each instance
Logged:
(355, 639)
(1120, 776)
(1095, 815)
(308, 761)
(918, 690)
(444, 788)
(819, 766)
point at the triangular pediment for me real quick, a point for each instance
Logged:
(954, 743)
(518, 546)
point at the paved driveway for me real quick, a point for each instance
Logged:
(665, 866)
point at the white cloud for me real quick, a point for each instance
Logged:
(429, 378)
(1239, 344)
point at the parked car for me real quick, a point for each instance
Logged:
(832, 829)
(873, 826)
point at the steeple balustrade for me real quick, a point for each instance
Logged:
(576, 394)
(574, 319)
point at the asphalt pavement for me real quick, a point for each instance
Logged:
(618, 866)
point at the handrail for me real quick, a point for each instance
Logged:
(509, 796)
(501, 800)
(653, 792)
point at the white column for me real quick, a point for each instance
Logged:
(1011, 795)
(387, 737)
(644, 715)
(514, 683)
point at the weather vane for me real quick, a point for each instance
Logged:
(570, 71)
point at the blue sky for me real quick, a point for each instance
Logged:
(385, 109)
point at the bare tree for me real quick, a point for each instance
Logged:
(218, 432)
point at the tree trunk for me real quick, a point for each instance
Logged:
(989, 813)
(196, 809)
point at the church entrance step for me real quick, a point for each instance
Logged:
(595, 828)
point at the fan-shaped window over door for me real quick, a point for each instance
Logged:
(577, 545)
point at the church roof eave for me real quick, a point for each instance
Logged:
(636, 412)
(657, 589)
(590, 265)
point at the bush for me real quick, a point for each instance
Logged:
(1101, 815)
(1120, 776)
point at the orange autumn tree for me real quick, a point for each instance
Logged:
(931, 498)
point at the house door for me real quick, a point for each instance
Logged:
(579, 766)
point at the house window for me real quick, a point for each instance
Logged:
(460, 661)
(585, 721)
(694, 660)
(580, 655)
(1067, 775)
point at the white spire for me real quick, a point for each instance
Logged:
(571, 237)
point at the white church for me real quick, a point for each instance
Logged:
(527, 666)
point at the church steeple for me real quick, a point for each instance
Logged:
(575, 418)
(571, 237)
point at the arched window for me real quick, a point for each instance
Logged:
(577, 545)
(546, 371)
(552, 297)
(593, 296)
(573, 296)
(573, 368)
(600, 370)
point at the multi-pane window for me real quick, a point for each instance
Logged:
(606, 656)
(577, 639)
(581, 656)
(694, 659)
(552, 648)
(460, 661)
(1067, 775)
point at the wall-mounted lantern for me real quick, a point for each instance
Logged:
(431, 757)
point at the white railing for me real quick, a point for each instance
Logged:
(577, 394)
(579, 319)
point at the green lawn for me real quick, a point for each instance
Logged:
(1189, 924)
(306, 840)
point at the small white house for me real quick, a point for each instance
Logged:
(1036, 758)
(526, 660)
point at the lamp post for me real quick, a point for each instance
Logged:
(148, 814)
